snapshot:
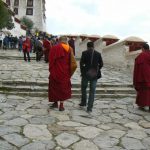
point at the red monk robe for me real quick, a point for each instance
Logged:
(59, 68)
(47, 46)
(141, 79)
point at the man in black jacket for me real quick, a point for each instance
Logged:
(91, 61)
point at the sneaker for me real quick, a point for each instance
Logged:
(54, 105)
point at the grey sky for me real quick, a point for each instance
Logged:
(121, 18)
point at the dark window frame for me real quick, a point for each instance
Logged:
(28, 10)
(16, 10)
(8, 2)
(16, 2)
(29, 3)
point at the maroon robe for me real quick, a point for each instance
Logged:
(47, 46)
(141, 79)
(60, 74)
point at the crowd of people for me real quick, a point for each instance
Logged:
(9, 42)
(40, 45)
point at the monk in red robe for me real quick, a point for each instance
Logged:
(141, 77)
(46, 47)
(60, 74)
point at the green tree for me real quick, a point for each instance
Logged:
(5, 17)
(27, 22)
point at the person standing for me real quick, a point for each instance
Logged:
(141, 77)
(72, 44)
(46, 48)
(27, 48)
(38, 49)
(90, 66)
(60, 73)
(20, 42)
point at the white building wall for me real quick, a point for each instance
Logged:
(38, 12)
(119, 56)
(130, 57)
(99, 45)
(115, 55)
(77, 43)
(82, 47)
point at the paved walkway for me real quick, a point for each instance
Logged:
(27, 123)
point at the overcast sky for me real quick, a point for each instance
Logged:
(122, 18)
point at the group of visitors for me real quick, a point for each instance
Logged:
(39, 45)
(60, 68)
(9, 42)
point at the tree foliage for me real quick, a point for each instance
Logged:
(5, 17)
(27, 22)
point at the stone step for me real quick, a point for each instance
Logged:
(15, 57)
(45, 94)
(107, 90)
(44, 83)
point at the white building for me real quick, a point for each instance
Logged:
(18, 29)
(33, 9)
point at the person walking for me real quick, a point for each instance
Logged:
(60, 73)
(141, 77)
(90, 66)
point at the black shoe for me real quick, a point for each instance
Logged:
(54, 105)
(82, 105)
(89, 110)
(61, 109)
(141, 108)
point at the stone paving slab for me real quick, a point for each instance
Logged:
(30, 123)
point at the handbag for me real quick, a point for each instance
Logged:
(91, 74)
(73, 63)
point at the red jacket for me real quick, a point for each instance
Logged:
(27, 45)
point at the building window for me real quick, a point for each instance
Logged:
(8, 2)
(30, 3)
(16, 11)
(16, 3)
(29, 11)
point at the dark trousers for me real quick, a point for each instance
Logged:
(39, 55)
(92, 89)
(0, 43)
(28, 55)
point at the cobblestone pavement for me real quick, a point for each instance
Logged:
(38, 71)
(27, 123)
